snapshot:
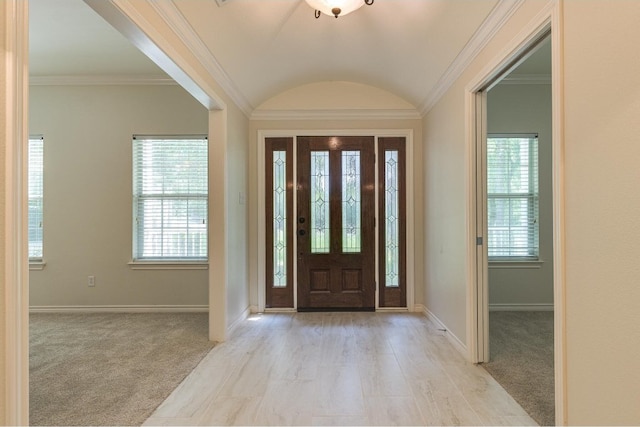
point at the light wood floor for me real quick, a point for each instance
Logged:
(338, 369)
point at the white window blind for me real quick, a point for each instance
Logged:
(36, 186)
(512, 196)
(170, 196)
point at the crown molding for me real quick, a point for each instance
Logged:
(335, 115)
(483, 35)
(172, 16)
(100, 80)
(526, 79)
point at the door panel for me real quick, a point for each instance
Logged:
(335, 223)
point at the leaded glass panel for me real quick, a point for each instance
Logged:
(320, 214)
(351, 202)
(392, 217)
(279, 219)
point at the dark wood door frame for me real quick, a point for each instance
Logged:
(277, 296)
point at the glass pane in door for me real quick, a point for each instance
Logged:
(279, 219)
(320, 214)
(351, 202)
(392, 248)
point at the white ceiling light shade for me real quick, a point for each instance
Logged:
(337, 7)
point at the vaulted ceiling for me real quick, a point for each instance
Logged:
(406, 47)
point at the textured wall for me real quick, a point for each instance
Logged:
(88, 193)
(602, 124)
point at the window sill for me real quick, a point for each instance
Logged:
(37, 265)
(504, 264)
(169, 265)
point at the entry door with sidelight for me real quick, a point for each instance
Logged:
(335, 223)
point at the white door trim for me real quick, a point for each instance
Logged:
(549, 17)
(260, 206)
(16, 276)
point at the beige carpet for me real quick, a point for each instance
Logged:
(112, 368)
(521, 346)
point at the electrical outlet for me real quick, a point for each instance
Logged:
(92, 281)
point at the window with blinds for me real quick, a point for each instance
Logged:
(35, 191)
(170, 196)
(512, 197)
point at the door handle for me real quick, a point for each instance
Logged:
(301, 232)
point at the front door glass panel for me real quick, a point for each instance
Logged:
(392, 232)
(351, 202)
(320, 203)
(279, 219)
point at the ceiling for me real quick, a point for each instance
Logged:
(405, 47)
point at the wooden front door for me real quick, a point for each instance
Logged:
(335, 223)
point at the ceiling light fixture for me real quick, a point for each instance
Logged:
(337, 7)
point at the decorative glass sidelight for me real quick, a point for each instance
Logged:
(351, 202)
(392, 218)
(279, 219)
(320, 214)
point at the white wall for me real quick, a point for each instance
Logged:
(237, 205)
(601, 155)
(602, 124)
(525, 108)
(88, 193)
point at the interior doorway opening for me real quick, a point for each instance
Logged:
(521, 49)
(518, 203)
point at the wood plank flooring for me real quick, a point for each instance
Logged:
(338, 369)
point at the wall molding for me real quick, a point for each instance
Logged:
(451, 337)
(355, 114)
(106, 80)
(521, 307)
(499, 15)
(119, 309)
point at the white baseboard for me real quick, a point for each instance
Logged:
(119, 309)
(520, 307)
(453, 339)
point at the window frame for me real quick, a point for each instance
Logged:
(141, 262)
(532, 197)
